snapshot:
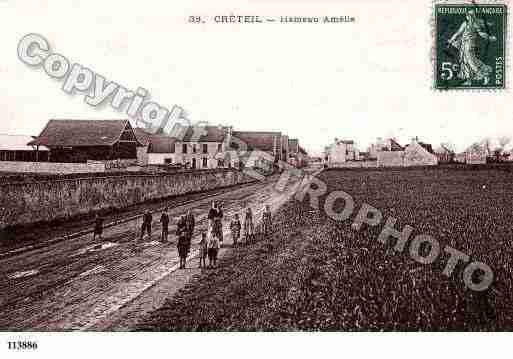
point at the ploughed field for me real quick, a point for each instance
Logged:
(315, 273)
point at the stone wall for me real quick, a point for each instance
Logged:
(27, 203)
(50, 167)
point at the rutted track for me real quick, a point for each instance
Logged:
(70, 284)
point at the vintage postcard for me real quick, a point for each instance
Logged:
(306, 169)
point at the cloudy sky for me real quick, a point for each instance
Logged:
(316, 82)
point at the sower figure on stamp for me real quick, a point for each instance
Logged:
(164, 220)
(146, 225)
(98, 227)
(472, 68)
(182, 245)
(235, 229)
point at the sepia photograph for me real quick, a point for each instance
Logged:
(286, 177)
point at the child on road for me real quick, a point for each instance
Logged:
(267, 220)
(213, 247)
(249, 228)
(235, 229)
(203, 250)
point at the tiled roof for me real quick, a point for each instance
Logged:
(427, 147)
(262, 141)
(156, 143)
(17, 143)
(142, 136)
(162, 144)
(198, 133)
(74, 133)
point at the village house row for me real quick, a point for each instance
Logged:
(89, 144)
(389, 153)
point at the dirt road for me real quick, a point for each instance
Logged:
(74, 285)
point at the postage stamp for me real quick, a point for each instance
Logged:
(470, 46)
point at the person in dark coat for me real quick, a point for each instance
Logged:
(146, 225)
(235, 227)
(189, 227)
(164, 220)
(182, 244)
(267, 219)
(98, 227)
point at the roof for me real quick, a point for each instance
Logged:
(262, 141)
(17, 143)
(395, 146)
(162, 144)
(346, 142)
(76, 133)
(426, 146)
(198, 133)
(302, 150)
(142, 136)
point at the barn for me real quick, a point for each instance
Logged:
(81, 140)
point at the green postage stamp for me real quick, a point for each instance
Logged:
(470, 46)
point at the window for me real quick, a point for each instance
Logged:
(220, 147)
(168, 161)
(205, 162)
(220, 163)
(194, 148)
(184, 148)
(205, 148)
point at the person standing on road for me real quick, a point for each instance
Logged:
(146, 225)
(189, 228)
(181, 232)
(203, 250)
(215, 216)
(249, 229)
(235, 229)
(164, 220)
(98, 227)
(219, 224)
(213, 247)
(267, 220)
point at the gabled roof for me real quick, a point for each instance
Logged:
(75, 133)
(395, 146)
(198, 133)
(262, 141)
(142, 136)
(17, 143)
(426, 146)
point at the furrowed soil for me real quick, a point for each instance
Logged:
(315, 273)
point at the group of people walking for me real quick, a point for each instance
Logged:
(211, 239)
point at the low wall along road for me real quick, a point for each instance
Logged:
(27, 203)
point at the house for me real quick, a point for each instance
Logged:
(83, 140)
(342, 151)
(201, 147)
(297, 155)
(417, 153)
(445, 154)
(476, 154)
(388, 144)
(262, 149)
(15, 148)
(156, 149)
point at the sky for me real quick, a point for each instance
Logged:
(362, 80)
